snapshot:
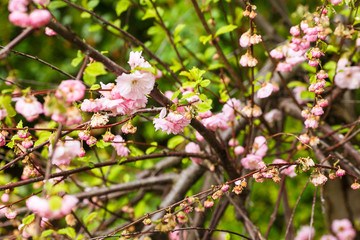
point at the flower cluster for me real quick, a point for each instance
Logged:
(19, 16)
(251, 161)
(65, 151)
(42, 207)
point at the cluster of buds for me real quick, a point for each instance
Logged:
(315, 27)
(304, 164)
(317, 178)
(251, 111)
(167, 223)
(248, 39)
(239, 186)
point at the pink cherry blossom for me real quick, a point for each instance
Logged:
(68, 203)
(283, 67)
(295, 31)
(265, 90)
(317, 110)
(251, 161)
(311, 122)
(2, 140)
(135, 85)
(192, 147)
(29, 107)
(207, 113)
(71, 90)
(348, 78)
(341, 225)
(216, 121)
(231, 109)
(328, 237)
(50, 32)
(90, 105)
(340, 172)
(91, 141)
(336, 2)
(84, 135)
(20, 19)
(244, 40)
(322, 75)
(318, 179)
(260, 146)
(323, 103)
(277, 53)
(27, 143)
(41, 2)
(239, 150)
(120, 147)
(10, 214)
(233, 142)
(289, 171)
(64, 151)
(273, 116)
(199, 137)
(18, 5)
(137, 61)
(173, 123)
(314, 62)
(39, 18)
(304, 138)
(305, 233)
(3, 113)
(5, 197)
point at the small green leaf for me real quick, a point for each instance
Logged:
(20, 124)
(150, 13)
(293, 84)
(176, 94)
(89, 79)
(150, 150)
(122, 6)
(29, 219)
(56, 4)
(89, 218)
(43, 136)
(174, 141)
(134, 151)
(5, 101)
(205, 83)
(95, 87)
(55, 203)
(46, 233)
(69, 231)
(225, 29)
(96, 69)
(205, 39)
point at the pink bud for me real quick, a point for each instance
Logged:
(20, 19)
(340, 172)
(39, 18)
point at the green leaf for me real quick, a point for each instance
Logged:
(174, 141)
(92, 4)
(122, 6)
(46, 233)
(150, 150)
(96, 69)
(322, 45)
(205, 39)
(150, 13)
(95, 87)
(102, 144)
(76, 61)
(225, 29)
(89, 79)
(134, 151)
(69, 231)
(90, 217)
(205, 106)
(205, 83)
(307, 95)
(308, 68)
(29, 219)
(56, 4)
(5, 101)
(55, 203)
(224, 95)
(176, 94)
(43, 136)
(20, 124)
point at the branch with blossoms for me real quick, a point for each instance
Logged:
(164, 120)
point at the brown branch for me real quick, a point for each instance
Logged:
(6, 50)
